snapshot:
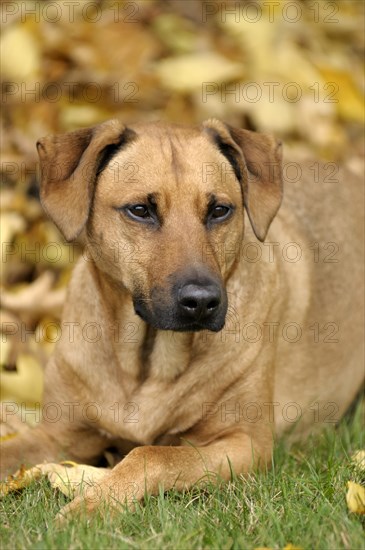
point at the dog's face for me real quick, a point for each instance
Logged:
(165, 214)
(164, 208)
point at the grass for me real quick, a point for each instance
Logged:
(301, 501)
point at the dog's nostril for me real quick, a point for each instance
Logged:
(191, 304)
(213, 304)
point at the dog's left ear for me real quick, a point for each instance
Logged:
(256, 160)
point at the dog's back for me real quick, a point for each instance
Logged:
(320, 360)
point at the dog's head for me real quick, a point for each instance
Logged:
(162, 209)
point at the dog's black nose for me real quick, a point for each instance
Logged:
(199, 302)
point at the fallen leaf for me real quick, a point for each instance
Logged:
(7, 437)
(175, 32)
(5, 351)
(20, 55)
(358, 459)
(21, 479)
(280, 119)
(186, 73)
(74, 116)
(345, 93)
(68, 477)
(11, 223)
(355, 498)
(25, 384)
(38, 298)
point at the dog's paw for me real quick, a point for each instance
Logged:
(77, 507)
(105, 498)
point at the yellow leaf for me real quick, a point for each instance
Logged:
(7, 437)
(343, 91)
(292, 547)
(187, 73)
(68, 477)
(175, 32)
(21, 479)
(25, 384)
(11, 223)
(74, 116)
(19, 53)
(355, 498)
(358, 459)
(5, 351)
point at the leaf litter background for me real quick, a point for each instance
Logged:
(150, 60)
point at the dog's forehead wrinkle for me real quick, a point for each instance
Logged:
(170, 153)
(177, 158)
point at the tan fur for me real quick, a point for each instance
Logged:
(193, 403)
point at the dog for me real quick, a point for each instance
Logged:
(212, 314)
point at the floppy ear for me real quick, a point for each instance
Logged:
(256, 160)
(70, 164)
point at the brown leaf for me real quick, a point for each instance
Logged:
(37, 298)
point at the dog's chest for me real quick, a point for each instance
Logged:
(161, 355)
(136, 383)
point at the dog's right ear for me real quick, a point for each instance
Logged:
(69, 168)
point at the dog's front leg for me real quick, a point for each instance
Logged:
(29, 448)
(38, 445)
(146, 469)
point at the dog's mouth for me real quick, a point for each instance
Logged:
(171, 319)
(195, 327)
(160, 324)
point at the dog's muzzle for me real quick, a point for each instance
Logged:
(191, 304)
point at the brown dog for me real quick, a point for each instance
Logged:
(161, 208)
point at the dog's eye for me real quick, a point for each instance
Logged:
(139, 211)
(220, 212)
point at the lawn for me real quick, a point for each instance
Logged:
(301, 501)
